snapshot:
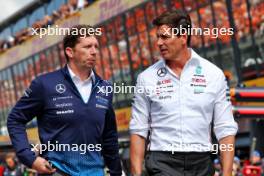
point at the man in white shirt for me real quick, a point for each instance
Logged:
(177, 100)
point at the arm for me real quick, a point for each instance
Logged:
(227, 155)
(28, 107)
(137, 152)
(110, 145)
(139, 126)
(225, 127)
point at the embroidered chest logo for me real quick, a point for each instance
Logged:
(162, 72)
(60, 88)
(198, 81)
(164, 89)
(101, 102)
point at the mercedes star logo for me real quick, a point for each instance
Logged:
(60, 88)
(162, 72)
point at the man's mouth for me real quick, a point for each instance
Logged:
(91, 60)
(163, 51)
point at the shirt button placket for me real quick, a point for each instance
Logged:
(180, 110)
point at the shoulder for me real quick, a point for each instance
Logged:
(106, 82)
(210, 69)
(50, 76)
(214, 76)
(46, 81)
(152, 71)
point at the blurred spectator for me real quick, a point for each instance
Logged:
(64, 11)
(73, 6)
(255, 158)
(82, 4)
(2, 169)
(236, 167)
(36, 25)
(2, 42)
(262, 166)
(12, 167)
(55, 16)
(48, 21)
(217, 167)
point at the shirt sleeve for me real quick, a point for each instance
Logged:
(139, 123)
(29, 106)
(110, 149)
(224, 123)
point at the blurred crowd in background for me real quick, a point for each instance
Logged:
(239, 10)
(10, 166)
(65, 11)
(253, 166)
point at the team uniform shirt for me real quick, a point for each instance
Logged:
(175, 113)
(64, 118)
(84, 87)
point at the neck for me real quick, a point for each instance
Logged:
(82, 73)
(180, 60)
(177, 64)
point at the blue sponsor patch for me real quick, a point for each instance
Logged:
(102, 100)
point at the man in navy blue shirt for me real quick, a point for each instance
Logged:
(76, 121)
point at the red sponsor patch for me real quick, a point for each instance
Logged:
(166, 81)
(198, 80)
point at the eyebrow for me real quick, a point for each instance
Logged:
(162, 35)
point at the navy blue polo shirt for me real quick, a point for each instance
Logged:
(64, 118)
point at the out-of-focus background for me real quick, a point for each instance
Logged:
(127, 48)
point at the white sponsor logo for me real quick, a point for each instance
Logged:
(69, 111)
(100, 106)
(60, 88)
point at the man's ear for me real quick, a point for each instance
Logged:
(184, 39)
(69, 52)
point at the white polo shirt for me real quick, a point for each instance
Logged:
(178, 111)
(84, 87)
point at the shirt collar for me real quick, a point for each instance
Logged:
(194, 60)
(74, 77)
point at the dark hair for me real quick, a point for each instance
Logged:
(175, 19)
(72, 38)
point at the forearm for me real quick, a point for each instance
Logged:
(112, 159)
(227, 154)
(18, 136)
(110, 145)
(137, 151)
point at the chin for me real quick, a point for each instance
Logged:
(167, 58)
(91, 66)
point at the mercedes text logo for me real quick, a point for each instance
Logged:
(162, 72)
(60, 88)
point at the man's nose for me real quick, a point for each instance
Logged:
(94, 51)
(159, 42)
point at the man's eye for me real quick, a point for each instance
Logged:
(164, 37)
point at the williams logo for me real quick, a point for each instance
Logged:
(69, 111)
(60, 88)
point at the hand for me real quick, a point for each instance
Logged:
(42, 166)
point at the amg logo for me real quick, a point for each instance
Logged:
(69, 111)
